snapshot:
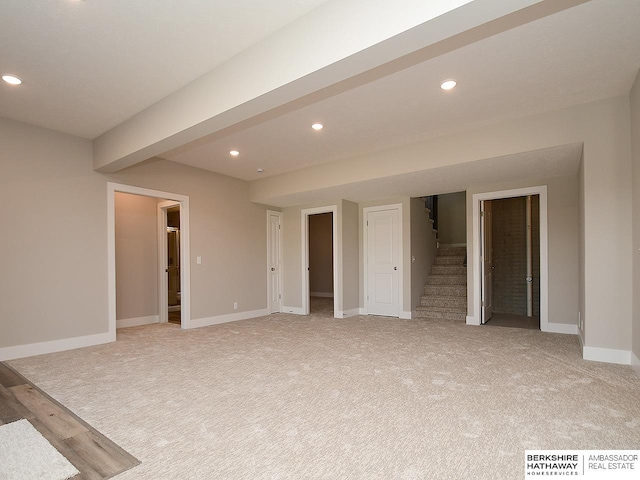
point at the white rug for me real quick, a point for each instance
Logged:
(26, 454)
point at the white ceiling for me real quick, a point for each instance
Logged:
(582, 54)
(89, 65)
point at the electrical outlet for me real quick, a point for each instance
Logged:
(235, 305)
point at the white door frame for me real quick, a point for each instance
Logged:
(305, 256)
(185, 277)
(540, 190)
(163, 281)
(280, 283)
(365, 246)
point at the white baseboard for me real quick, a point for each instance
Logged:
(294, 310)
(635, 364)
(137, 321)
(363, 311)
(20, 351)
(565, 328)
(348, 313)
(321, 294)
(229, 317)
(608, 355)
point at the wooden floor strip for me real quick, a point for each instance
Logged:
(87, 472)
(105, 457)
(93, 454)
(61, 423)
(11, 409)
(9, 377)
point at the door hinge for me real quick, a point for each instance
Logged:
(367, 223)
(278, 226)
(482, 214)
(279, 297)
(482, 303)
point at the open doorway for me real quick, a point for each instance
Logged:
(510, 258)
(159, 202)
(173, 265)
(511, 286)
(319, 247)
(321, 263)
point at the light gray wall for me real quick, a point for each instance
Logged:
(607, 207)
(321, 253)
(350, 254)
(635, 146)
(292, 254)
(226, 230)
(348, 248)
(563, 230)
(291, 258)
(55, 254)
(136, 228)
(423, 249)
(54, 245)
(452, 218)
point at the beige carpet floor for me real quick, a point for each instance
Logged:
(290, 397)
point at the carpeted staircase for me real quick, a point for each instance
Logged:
(445, 294)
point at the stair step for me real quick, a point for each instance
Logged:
(447, 280)
(456, 251)
(443, 301)
(446, 290)
(459, 316)
(430, 308)
(448, 270)
(450, 260)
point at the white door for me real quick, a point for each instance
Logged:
(486, 222)
(383, 262)
(274, 262)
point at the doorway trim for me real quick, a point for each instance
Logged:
(365, 246)
(185, 277)
(269, 304)
(541, 191)
(305, 257)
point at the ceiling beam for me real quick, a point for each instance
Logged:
(302, 63)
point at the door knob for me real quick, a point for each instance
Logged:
(273, 269)
(395, 268)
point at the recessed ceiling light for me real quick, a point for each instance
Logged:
(12, 79)
(260, 170)
(234, 153)
(317, 126)
(448, 84)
